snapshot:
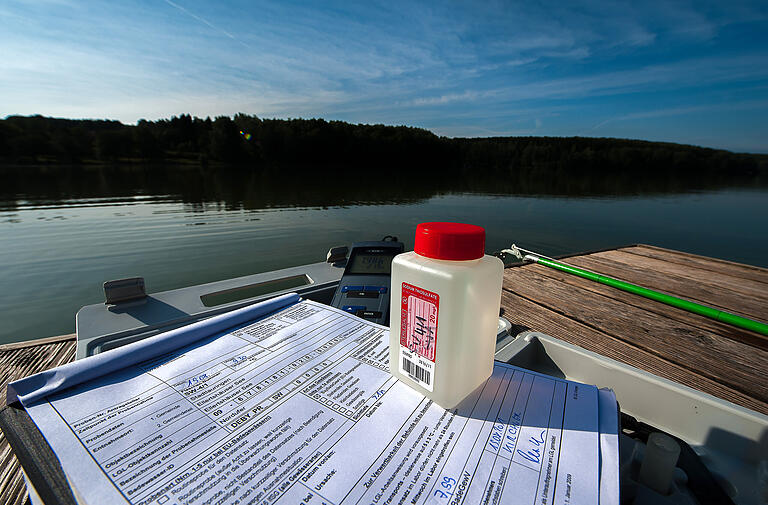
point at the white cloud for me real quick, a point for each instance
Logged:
(682, 111)
(443, 99)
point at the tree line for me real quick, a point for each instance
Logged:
(247, 141)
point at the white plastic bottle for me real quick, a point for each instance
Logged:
(444, 312)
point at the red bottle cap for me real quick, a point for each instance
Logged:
(450, 241)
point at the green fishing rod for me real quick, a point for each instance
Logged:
(696, 308)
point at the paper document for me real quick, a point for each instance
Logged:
(299, 407)
(29, 389)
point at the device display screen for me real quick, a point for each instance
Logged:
(371, 262)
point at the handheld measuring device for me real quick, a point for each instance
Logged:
(364, 287)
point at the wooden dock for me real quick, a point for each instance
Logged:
(701, 353)
(16, 361)
(712, 357)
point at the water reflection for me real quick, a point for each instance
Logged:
(231, 189)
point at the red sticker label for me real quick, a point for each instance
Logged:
(418, 321)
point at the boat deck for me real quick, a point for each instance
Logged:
(706, 355)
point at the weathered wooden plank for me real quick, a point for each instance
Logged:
(37, 342)
(524, 312)
(739, 270)
(734, 364)
(24, 361)
(19, 360)
(661, 310)
(717, 280)
(12, 487)
(673, 285)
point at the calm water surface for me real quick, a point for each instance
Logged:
(62, 236)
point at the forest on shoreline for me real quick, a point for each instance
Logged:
(267, 145)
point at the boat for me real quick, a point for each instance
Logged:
(724, 445)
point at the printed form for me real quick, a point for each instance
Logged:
(300, 407)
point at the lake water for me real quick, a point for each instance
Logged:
(63, 234)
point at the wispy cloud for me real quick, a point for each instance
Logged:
(206, 22)
(444, 99)
(682, 111)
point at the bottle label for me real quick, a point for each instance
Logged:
(418, 334)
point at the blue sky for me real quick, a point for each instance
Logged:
(691, 72)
